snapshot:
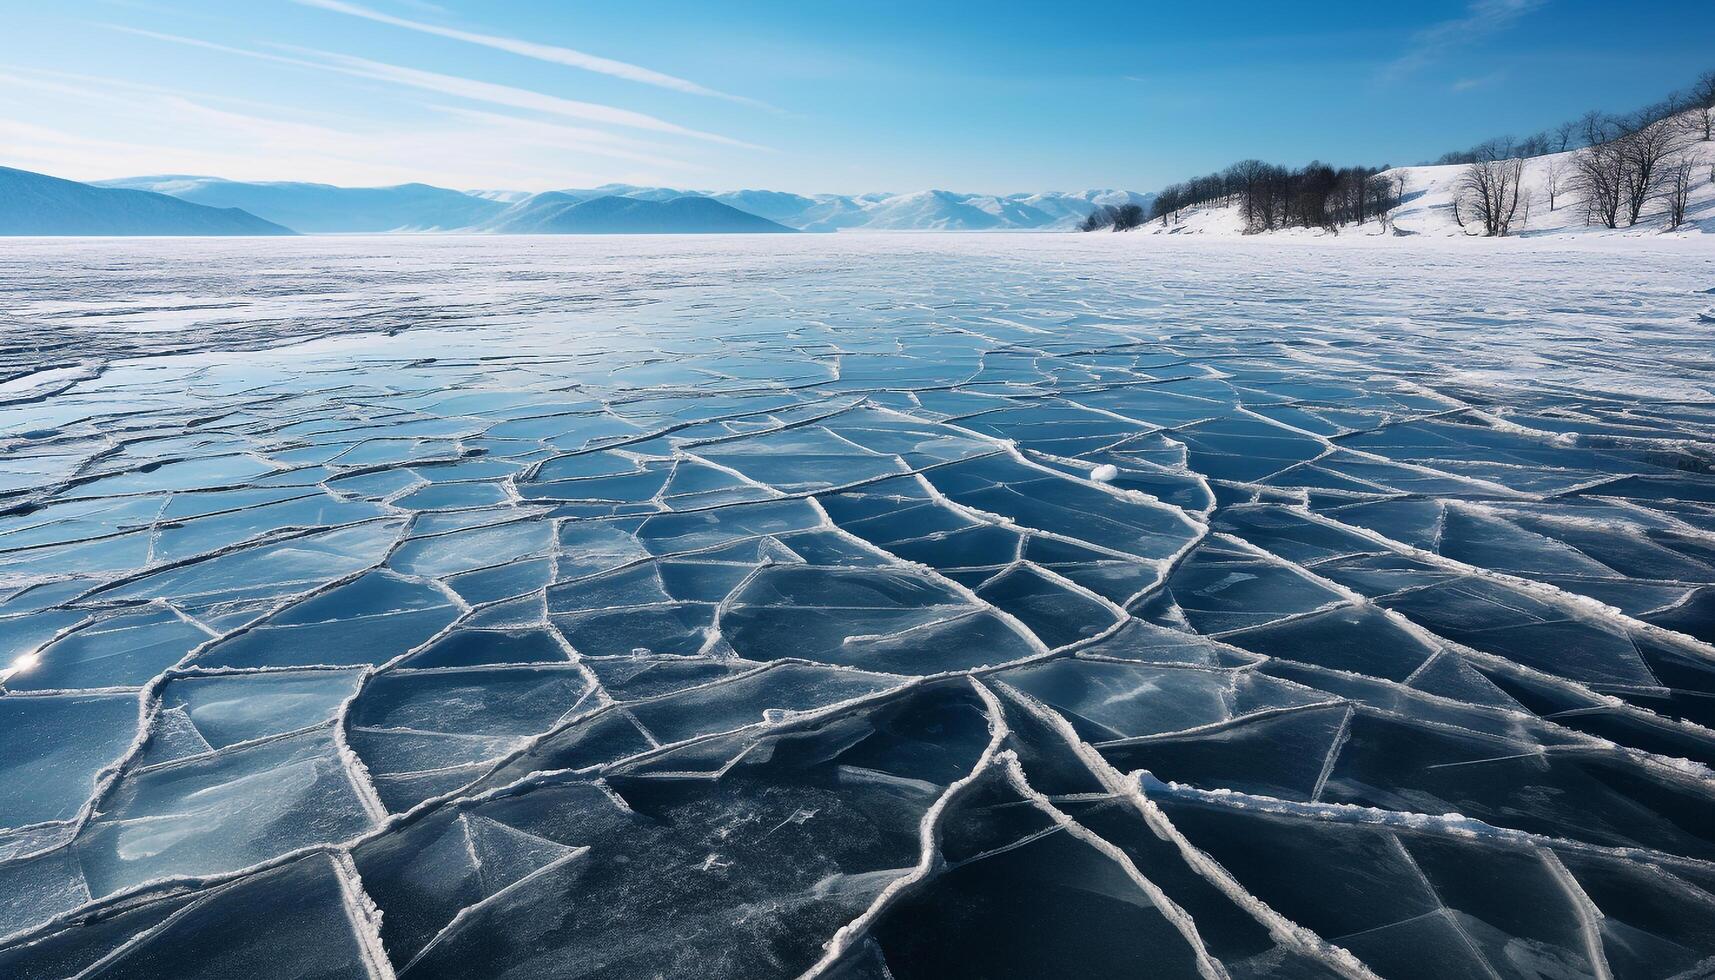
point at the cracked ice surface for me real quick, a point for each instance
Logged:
(860, 608)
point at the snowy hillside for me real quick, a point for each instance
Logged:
(1427, 206)
(1430, 192)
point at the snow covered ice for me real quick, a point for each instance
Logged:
(857, 607)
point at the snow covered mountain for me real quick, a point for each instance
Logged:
(634, 191)
(327, 208)
(36, 204)
(555, 213)
(324, 208)
(504, 197)
(932, 210)
(1067, 210)
(774, 205)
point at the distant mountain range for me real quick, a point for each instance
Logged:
(273, 207)
(935, 210)
(36, 204)
(326, 208)
(554, 213)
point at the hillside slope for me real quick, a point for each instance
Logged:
(1430, 192)
(36, 204)
(1427, 206)
(326, 208)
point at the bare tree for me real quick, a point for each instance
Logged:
(1554, 179)
(1102, 216)
(1168, 201)
(1246, 179)
(1668, 108)
(1645, 151)
(1599, 176)
(1388, 193)
(1564, 134)
(1123, 217)
(1679, 175)
(1595, 129)
(1489, 189)
(1700, 99)
(1128, 216)
(1535, 145)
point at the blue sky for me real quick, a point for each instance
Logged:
(812, 95)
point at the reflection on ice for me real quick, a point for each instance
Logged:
(848, 608)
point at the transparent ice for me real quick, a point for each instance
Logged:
(847, 607)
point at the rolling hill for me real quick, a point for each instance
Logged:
(36, 204)
(327, 208)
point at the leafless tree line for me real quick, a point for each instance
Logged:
(1270, 197)
(1619, 175)
(1116, 217)
(1621, 165)
(1692, 111)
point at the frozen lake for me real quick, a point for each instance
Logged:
(913, 606)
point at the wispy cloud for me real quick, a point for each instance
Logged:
(579, 138)
(531, 49)
(1480, 81)
(1482, 19)
(507, 95)
(456, 86)
(149, 129)
(78, 157)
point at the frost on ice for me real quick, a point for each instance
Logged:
(855, 609)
